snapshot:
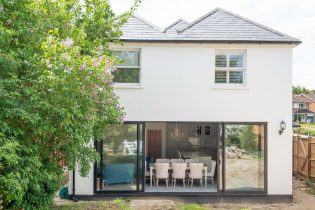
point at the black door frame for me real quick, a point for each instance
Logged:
(222, 139)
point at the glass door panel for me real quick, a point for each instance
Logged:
(120, 168)
(244, 158)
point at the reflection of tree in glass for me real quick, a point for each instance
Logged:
(248, 139)
(233, 136)
(116, 134)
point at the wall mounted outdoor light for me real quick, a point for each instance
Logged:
(283, 126)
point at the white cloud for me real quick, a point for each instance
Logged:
(293, 17)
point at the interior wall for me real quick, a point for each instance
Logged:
(206, 142)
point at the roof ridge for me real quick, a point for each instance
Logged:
(257, 24)
(148, 23)
(199, 19)
(174, 23)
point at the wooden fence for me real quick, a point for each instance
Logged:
(1, 202)
(304, 156)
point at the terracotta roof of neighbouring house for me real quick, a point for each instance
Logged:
(310, 96)
(217, 26)
(301, 111)
(300, 99)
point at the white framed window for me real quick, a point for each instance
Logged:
(230, 68)
(299, 105)
(128, 68)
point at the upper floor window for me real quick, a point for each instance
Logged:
(230, 68)
(128, 67)
(299, 105)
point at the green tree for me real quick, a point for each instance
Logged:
(300, 90)
(56, 92)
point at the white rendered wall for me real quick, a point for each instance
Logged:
(178, 85)
(83, 185)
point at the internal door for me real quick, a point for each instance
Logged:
(155, 144)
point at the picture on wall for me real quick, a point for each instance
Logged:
(207, 130)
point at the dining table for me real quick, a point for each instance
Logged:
(152, 168)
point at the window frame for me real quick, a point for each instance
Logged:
(129, 85)
(229, 69)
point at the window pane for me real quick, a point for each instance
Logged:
(244, 157)
(220, 76)
(220, 60)
(127, 58)
(236, 60)
(236, 77)
(127, 75)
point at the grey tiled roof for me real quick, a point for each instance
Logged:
(175, 27)
(218, 25)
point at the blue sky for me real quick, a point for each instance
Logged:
(293, 17)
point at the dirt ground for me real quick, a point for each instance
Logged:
(302, 200)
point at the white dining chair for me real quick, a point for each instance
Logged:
(210, 174)
(147, 173)
(179, 172)
(176, 161)
(162, 161)
(161, 172)
(191, 161)
(195, 172)
(179, 154)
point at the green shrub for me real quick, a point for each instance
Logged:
(56, 92)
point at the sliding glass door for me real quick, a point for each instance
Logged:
(244, 158)
(120, 166)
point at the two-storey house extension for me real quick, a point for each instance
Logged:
(208, 111)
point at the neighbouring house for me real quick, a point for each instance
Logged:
(206, 105)
(303, 108)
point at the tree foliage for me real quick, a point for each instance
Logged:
(300, 90)
(56, 92)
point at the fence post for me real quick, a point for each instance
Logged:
(298, 156)
(309, 157)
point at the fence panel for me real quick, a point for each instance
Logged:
(304, 156)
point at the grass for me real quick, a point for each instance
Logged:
(306, 129)
(312, 126)
(192, 207)
(310, 184)
(116, 204)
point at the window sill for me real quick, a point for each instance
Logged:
(128, 86)
(229, 87)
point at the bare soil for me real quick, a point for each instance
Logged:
(302, 200)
